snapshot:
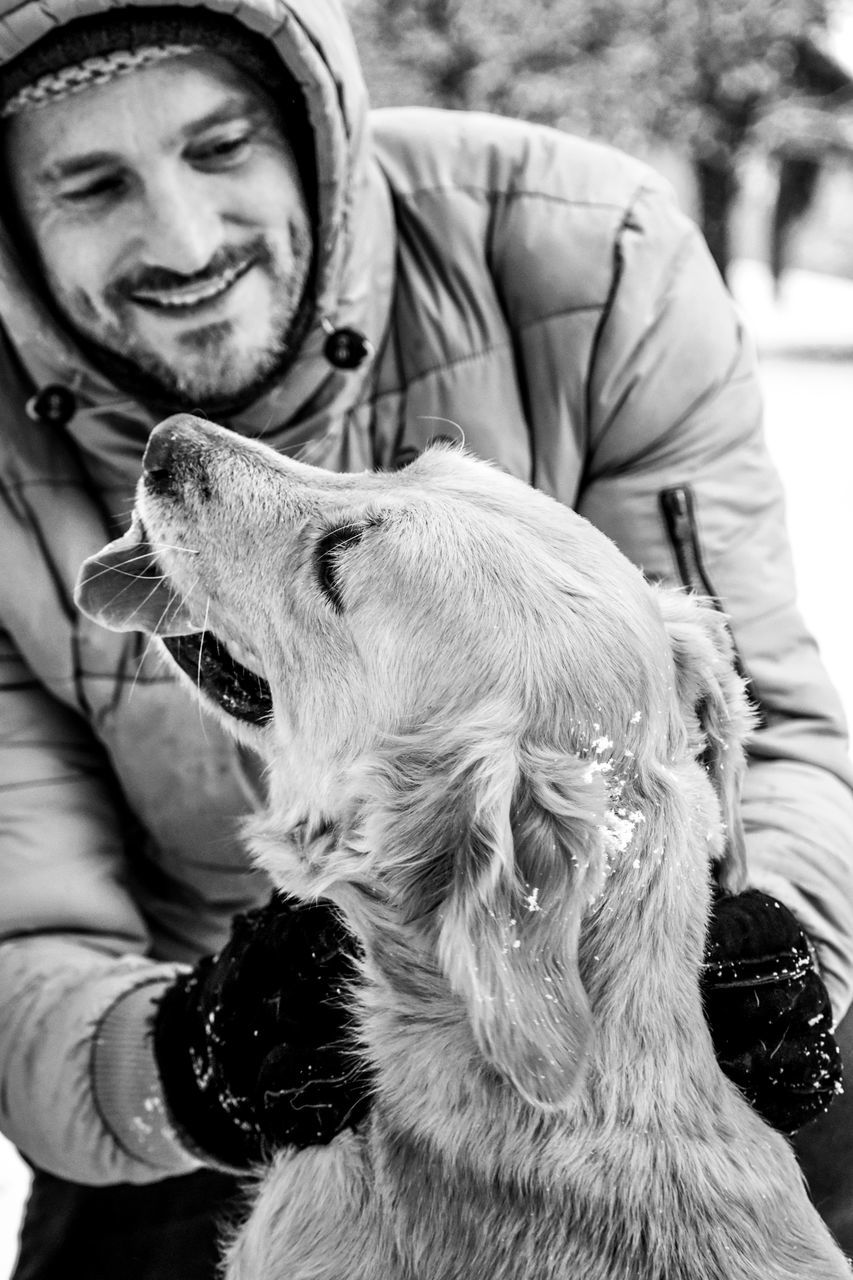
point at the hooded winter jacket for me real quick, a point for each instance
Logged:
(542, 293)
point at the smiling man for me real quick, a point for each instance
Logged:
(200, 213)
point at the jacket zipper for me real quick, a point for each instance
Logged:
(679, 514)
(678, 508)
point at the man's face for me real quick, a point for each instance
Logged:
(171, 224)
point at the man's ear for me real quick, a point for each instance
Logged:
(529, 860)
(715, 708)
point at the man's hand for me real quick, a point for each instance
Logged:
(768, 1010)
(253, 1045)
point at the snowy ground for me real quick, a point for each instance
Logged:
(806, 341)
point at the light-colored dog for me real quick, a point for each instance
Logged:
(511, 763)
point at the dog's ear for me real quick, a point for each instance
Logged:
(527, 863)
(714, 705)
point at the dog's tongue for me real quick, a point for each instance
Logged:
(124, 588)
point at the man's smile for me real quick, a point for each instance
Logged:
(179, 299)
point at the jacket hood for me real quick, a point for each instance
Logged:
(354, 248)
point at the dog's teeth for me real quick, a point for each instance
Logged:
(245, 656)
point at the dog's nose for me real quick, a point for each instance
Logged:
(170, 447)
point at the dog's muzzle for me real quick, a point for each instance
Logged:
(125, 588)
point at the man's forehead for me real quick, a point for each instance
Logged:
(154, 107)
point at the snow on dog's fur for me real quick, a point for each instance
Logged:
(511, 763)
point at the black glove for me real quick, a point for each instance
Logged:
(253, 1045)
(769, 1011)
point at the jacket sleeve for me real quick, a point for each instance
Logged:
(79, 1094)
(679, 475)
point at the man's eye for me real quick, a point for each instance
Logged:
(97, 189)
(221, 152)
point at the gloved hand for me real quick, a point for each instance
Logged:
(253, 1045)
(768, 1010)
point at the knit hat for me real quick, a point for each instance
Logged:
(99, 48)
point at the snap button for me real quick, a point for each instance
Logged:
(54, 404)
(346, 348)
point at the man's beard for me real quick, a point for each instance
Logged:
(212, 377)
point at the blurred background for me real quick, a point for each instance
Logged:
(747, 107)
(746, 104)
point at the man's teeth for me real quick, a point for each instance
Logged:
(192, 295)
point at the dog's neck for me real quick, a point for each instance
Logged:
(410, 999)
(651, 1059)
(639, 955)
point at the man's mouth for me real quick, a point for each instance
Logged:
(180, 299)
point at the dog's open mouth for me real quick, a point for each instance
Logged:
(238, 690)
(124, 588)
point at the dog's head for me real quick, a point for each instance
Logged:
(461, 683)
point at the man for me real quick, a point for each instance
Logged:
(203, 216)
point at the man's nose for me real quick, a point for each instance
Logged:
(183, 227)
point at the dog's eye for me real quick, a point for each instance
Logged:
(327, 559)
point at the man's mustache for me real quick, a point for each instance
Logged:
(161, 279)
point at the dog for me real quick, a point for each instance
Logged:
(513, 764)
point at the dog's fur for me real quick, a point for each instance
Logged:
(511, 762)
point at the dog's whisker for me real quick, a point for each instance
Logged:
(142, 603)
(155, 587)
(122, 515)
(140, 664)
(307, 450)
(149, 554)
(122, 571)
(168, 546)
(143, 657)
(204, 629)
(154, 635)
(432, 417)
(201, 646)
(156, 584)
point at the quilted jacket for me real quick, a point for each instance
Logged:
(547, 297)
